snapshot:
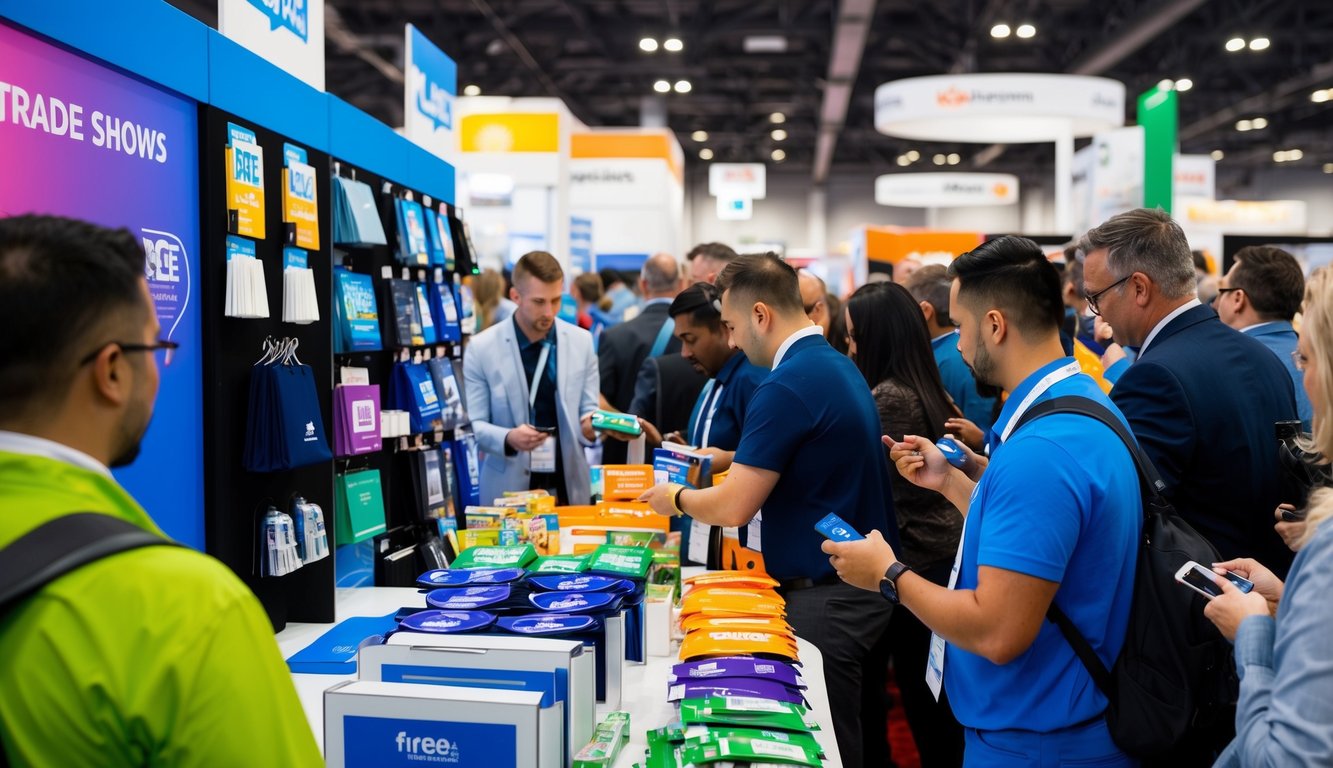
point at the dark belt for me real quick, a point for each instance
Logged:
(795, 585)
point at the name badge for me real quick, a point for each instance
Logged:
(543, 456)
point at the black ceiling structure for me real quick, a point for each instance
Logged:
(834, 53)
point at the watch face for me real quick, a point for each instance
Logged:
(889, 590)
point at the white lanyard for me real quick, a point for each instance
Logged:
(537, 377)
(715, 401)
(1047, 381)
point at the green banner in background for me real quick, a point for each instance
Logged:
(1160, 120)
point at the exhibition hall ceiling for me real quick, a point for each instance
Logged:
(814, 64)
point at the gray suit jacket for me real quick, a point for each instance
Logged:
(497, 401)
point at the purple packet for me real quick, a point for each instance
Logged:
(735, 686)
(737, 666)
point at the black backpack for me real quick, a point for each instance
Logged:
(58, 547)
(1172, 691)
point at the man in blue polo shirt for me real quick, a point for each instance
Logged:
(1055, 517)
(930, 285)
(809, 446)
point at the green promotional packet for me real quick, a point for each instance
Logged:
(496, 557)
(699, 735)
(626, 562)
(610, 736)
(745, 712)
(749, 750)
(662, 752)
(605, 421)
(560, 564)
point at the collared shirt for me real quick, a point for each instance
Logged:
(812, 330)
(725, 402)
(17, 442)
(1281, 339)
(543, 411)
(1177, 312)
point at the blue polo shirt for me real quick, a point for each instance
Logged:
(959, 383)
(1060, 501)
(726, 398)
(813, 421)
(1280, 337)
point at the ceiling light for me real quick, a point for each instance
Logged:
(779, 155)
(939, 159)
(1280, 156)
(1217, 154)
(1260, 123)
(777, 118)
(471, 90)
(662, 86)
(683, 86)
(1244, 125)
(778, 134)
(1184, 84)
(999, 31)
(954, 158)
(1328, 167)
(699, 135)
(648, 45)
(902, 160)
(1235, 44)
(912, 155)
(1295, 154)
(705, 154)
(1166, 84)
(1025, 31)
(1319, 97)
(1259, 44)
(673, 45)
(764, 44)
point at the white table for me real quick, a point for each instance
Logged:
(645, 686)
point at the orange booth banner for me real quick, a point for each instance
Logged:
(893, 244)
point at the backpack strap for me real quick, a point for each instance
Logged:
(62, 545)
(1152, 487)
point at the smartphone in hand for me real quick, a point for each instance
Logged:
(1202, 580)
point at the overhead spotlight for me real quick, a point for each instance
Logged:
(1259, 44)
(1025, 31)
(673, 45)
(471, 90)
(1280, 156)
(1244, 125)
(939, 159)
(1236, 44)
(705, 154)
(662, 86)
(779, 155)
(648, 45)
(954, 158)
(999, 31)
(1184, 84)
(1294, 155)
(1260, 123)
(699, 135)
(683, 86)
(778, 134)
(1319, 97)
(912, 155)
(1166, 84)
(902, 160)
(1217, 154)
(777, 118)
(1328, 167)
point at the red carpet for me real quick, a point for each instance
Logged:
(901, 745)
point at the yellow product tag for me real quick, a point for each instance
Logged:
(300, 203)
(245, 187)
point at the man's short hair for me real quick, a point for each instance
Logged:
(540, 265)
(1074, 276)
(610, 277)
(65, 287)
(718, 252)
(1145, 240)
(931, 284)
(765, 277)
(1011, 274)
(656, 277)
(1272, 279)
(698, 301)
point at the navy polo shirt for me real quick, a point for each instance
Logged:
(738, 380)
(813, 421)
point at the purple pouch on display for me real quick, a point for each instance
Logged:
(737, 666)
(579, 583)
(551, 624)
(735, 686)
(447, 622)
(575, 602)
(457, 577)
(466, 598)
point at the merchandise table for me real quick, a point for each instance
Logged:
(645, 686)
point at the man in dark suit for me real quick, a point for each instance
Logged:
(1201, 397)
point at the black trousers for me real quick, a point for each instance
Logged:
(845, 624)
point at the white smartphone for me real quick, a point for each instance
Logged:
(1201, 580)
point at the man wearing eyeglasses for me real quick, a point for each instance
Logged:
(156, 655)
(1200, 397)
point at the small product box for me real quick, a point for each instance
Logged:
(610, 421)
(621, 482)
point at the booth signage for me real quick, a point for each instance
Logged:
(946, 190)
(430, 89)
(580, 244)
(289, 33)
(738, 180)
(734, 208)
(1195, 176)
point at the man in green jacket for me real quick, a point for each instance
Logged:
(154, 656)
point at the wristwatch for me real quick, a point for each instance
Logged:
(888, 583)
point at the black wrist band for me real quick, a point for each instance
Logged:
(676, 500)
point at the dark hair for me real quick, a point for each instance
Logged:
(931, 284)
(1200, 260)
(1074, 276)
(540, 265)
(1145, 240)
(713, 251)
(763, 277)
(64, 285)
(1011, 274)
(610, 276)
(892, 342)
(837, 323)
(1272, 279)
(697, 302)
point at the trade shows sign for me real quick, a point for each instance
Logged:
(738, 180)
(430, 88)
(946, 190)
(289, 33)
(80, 140)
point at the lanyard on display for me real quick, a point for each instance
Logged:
(705, 425)
(536, 382)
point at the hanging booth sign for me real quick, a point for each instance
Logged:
(734, 208)
(946, 190)
(289, 33)
(429, 91)
(738, 180)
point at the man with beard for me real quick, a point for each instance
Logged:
(156, 655)
(1055, 518)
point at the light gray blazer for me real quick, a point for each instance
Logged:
(497, 401)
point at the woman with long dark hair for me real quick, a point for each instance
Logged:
(888, 340)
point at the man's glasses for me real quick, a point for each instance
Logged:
(1224, 291)
(1297, 359)
(1093, 298)
(811, 307)
(164, 349)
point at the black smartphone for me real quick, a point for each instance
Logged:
(1293, 515)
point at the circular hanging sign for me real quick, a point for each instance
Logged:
(946, 190)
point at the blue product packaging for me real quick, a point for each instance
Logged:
(548, 624)
(458, 577)
(447, 622)
(579, 583)
(467, 598)
(576, 602)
